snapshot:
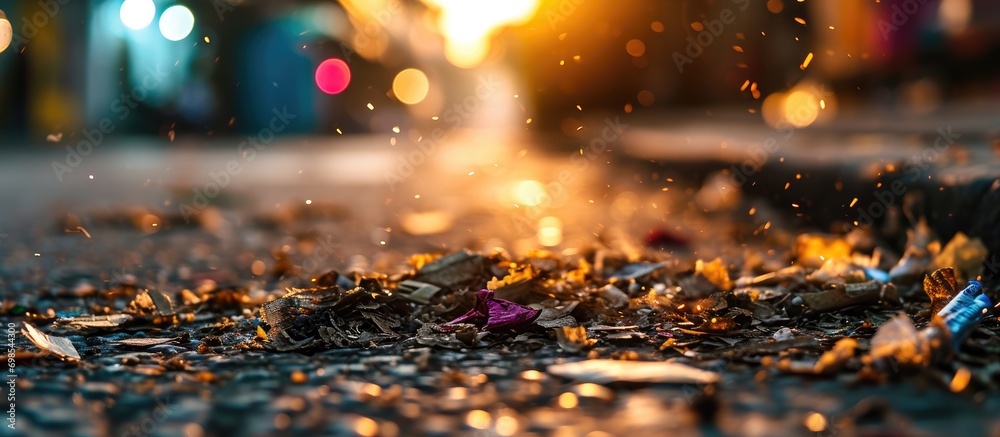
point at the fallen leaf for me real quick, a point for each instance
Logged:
(941, 287)
(58, 346)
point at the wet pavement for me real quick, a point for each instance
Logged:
(307, 210)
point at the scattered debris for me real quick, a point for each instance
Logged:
(95, 322)
(432, 334)
(784, 334)
(941, 286)
(963, 254)
(498, 314)
(420, 292)
(516, 285)
(614, 296)
(453, 270)
(149, 342)
(637, 270)
(311, 318)
(556, 316)
(151, 303)
(58, 346)
(834, 359)
(715, 272)
(899, 340)
(960, 316)
(841, 295)
(573, 339)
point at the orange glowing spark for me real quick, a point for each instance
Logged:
(961, 380)
(805, 63)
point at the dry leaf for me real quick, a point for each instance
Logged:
(941, 287)
(58, 346)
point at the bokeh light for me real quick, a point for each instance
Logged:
(176, 23)
(807, 103)
(137, 14)
(468, 27)
(635, 48)
(6, 32)
(332, 76)
(646, 98)
(530, 193)
(801, 108)
(550, 231)
(410, 86)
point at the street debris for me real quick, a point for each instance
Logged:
(573, 339)
(827, 306)
(963, 254)
(941, 287)
(58, 346)
(420, 292)
(494, 314)
(312, 318)
(841, 295)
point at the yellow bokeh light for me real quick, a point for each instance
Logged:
(568, 400)
(815, 422)
(529, 193)
(801, 108)
(366, 427)
(550, 231)
(805, 104)
(410, 86)
(507, 425)
(478, 419)
(469, 25)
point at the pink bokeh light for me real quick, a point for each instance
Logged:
(332, 76)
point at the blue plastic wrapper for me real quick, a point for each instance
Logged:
(876, 274)
(964, 312)
(963, 298)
